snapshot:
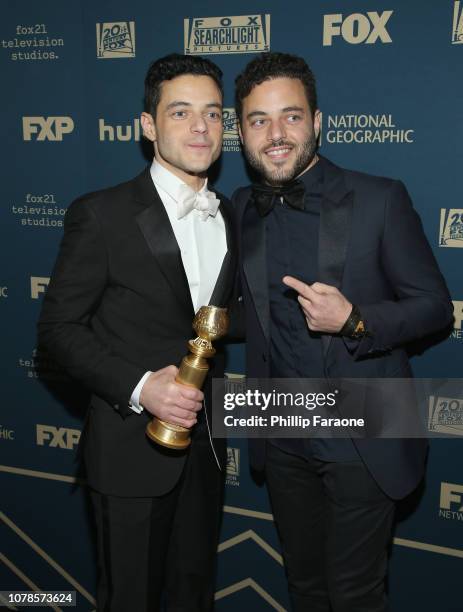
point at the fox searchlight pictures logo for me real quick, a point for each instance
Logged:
(115, 39)
(238, 34)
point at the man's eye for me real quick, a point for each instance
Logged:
(214, 115)
(258, 122)
(293, 118)
(179, 114)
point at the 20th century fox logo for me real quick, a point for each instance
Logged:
(451, 227)
(115, 39)
(231, 138)
(457, 26)
(233, 467)
(238, 34)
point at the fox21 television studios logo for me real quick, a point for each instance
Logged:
(238, 34)
(115, 39)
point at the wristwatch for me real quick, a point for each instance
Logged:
(354, 327)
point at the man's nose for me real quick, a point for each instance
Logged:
(276, 131)
(199, 124)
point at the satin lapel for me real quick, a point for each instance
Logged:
(334, 233)
(255, 263)
(155, 226)
(224, 284)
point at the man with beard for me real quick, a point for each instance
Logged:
(337, 277)
(136, 262)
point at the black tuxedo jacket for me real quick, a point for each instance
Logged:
(373, 249)
(118, 304)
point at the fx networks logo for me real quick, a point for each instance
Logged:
(451, 227)
(457, 27)
(239, 34)
(233, 467)
(357, 28)
(115, 39)
(231, 138)
(458, 316)
(57, 437)
(451, 499)
(38, 286)
(46, 128)
(446, 415)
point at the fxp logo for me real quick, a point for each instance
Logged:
(46, 128)
(357, 28)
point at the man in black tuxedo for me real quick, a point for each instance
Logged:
(135, 263)
(337, 277)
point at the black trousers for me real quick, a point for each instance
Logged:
(335, 526)
(153, 547)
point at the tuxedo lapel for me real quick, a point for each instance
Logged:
(224, 283)
(155, 226)
(334, 232)
(255, 264)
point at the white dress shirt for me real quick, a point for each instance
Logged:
(202, 243)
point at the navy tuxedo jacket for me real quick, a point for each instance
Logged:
(373, 249)
(118, 305)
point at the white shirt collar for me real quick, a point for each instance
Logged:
(168, 181)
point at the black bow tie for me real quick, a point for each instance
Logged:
(265, 197)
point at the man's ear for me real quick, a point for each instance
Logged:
(317, 123)
(238, 125)
(147, 124)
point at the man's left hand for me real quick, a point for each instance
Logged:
(325, 308)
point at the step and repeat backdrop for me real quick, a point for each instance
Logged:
(391, 92)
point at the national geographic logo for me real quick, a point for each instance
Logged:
(357, 28)
(46, 128)
(458, 316)
(239, 34)
(57, 437)
(365, 129)
(457, 26)
(231, 138)
(115, 39)
(38, 286)
(451, 497)
(6, 434)
(446, 415)
(3, 292)
(451, 227)
(233, 467)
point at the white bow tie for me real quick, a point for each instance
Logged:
(188, 199)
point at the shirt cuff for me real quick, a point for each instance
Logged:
(135, 397)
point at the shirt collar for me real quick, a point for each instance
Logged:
(168, 181)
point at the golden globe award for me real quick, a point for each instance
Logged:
(210, 323)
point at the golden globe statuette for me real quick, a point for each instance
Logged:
(210, 323)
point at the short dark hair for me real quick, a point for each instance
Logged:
(174, 65)
(268, 66)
